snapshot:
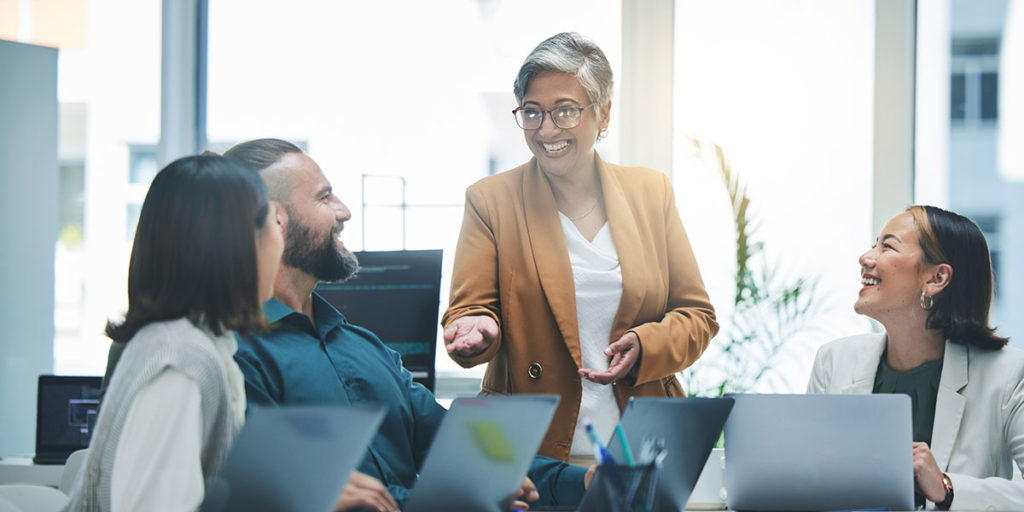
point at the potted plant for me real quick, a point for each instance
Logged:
(770, 307)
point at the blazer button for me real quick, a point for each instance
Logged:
(535, 370)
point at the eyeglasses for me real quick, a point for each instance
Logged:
(563, 117)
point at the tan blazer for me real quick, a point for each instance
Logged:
(513, 265)
(979, 413)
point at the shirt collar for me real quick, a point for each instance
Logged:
(275, 310)
(327, 316)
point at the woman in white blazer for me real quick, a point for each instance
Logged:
(928, 281)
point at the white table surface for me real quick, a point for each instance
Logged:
(21, 470)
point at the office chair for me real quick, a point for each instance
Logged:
(71, 468)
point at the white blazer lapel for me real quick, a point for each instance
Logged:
(864, 368)
(949, 404)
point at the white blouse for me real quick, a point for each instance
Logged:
(598, 281)
(156, 466)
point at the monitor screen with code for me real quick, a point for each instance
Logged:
(396, 295)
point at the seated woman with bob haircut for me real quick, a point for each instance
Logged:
(928, 281)
(206, 250)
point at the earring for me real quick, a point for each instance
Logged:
(927, 302)
(602, 133)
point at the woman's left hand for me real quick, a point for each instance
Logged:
(927, 475)
(624, 354)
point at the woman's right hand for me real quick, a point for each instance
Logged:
(468, 336)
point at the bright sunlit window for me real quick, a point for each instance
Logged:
(785, 90)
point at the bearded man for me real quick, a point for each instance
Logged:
(311, 354)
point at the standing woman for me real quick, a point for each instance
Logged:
(206, 251)
(574, 276)
(928, 281)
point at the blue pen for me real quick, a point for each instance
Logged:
(600, 452)
(605, 459)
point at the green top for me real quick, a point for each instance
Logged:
(922, 384)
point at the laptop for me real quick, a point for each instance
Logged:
(293, 458)
(481, 453)
(819, 452)
(690, 428)
(66, 409)
(407, 282)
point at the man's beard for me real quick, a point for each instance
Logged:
(324, 260)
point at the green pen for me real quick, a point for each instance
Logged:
(625, 446)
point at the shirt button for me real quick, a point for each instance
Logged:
(535, 370)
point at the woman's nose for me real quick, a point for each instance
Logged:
(547, 125)
(867, 259)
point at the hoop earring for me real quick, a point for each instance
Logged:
(602, 134)
(927, 302)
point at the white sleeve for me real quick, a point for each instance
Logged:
(995, 493)
(157, 463)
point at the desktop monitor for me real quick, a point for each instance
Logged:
(66, 409)
(396, 295)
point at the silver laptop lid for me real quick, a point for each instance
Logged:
(690, 428)
(481, 452)
(819, 452)
(293, 458)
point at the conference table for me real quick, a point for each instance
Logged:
(21, 470)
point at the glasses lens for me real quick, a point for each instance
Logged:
(566, 117)
(529, 118)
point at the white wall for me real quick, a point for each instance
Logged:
(28, 205)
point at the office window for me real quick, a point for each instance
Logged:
(974, 79)
(966, 43)
(989, 225)
(141, 163)
(989, 95)
(794, 121)
(958, 97)
(109, 93)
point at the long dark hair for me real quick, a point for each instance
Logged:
(194, 253)
(961, 309)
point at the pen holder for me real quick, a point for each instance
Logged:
(628, 488)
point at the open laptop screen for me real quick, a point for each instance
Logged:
(819, 452)
(66, 409)
(396, 295)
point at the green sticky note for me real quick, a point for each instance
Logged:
(491, 440)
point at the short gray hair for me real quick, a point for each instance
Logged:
(571, 53)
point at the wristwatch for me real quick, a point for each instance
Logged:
(948, 500)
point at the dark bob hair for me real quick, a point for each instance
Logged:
(961, 309)
(194, 253)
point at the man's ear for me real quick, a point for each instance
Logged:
(280, 214)
(939, 278)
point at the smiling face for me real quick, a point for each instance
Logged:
(562, 152)
(893, 273)
(315, 220)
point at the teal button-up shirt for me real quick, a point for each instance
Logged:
(335, 362)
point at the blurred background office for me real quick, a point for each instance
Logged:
(835, 116)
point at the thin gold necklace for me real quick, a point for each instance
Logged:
(591, 210)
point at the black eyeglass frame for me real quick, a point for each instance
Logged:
(550, 114)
